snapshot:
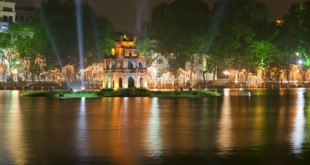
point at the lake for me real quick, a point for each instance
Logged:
(269, 126)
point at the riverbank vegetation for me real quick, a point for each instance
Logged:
(121, 93)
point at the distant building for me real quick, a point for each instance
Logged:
(7, 14)
(24, 14)
(124, 67)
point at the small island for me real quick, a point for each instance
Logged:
(121, 93)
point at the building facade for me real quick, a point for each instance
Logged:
(7, 14)
(24, 14)
(124, 67)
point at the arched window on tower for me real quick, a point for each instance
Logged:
(131, 82)
(130, 65)
(120, 82)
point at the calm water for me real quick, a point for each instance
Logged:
(268, 127)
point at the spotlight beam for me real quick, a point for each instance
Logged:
(79, 26)
(215, 23)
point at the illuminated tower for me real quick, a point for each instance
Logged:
(124, 67)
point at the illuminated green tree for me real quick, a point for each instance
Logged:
(146, 48)
(261, 53)
(238, 24)
(294, 34)
(12, 43)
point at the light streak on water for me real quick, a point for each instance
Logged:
(15, 138)
(82, 143)
(79, 26)
(298, 133)
(225, 141)
(154, 139)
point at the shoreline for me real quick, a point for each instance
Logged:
(97, 87)
(125, 93)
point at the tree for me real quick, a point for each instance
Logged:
(146, 47)
(238, 24)
(180, 29)
(261, 53)
(294, 35)
(10, 41)
(58, 21)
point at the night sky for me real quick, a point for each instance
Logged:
(126, 14)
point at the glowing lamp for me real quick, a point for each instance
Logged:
(14, 71)
(226, 72)
(279, 22)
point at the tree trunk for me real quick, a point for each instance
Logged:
(153, 59)
(191, 74)
(204, 77)
(214, 73)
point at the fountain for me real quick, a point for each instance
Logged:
(186, 77)
(67, 74)
(307, 75)
(93, 74)
(55, 76)
(295, 74)
(39, 65)
(249, 78)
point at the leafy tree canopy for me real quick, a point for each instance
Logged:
(180, 28)
(57, 20)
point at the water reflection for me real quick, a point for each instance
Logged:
(154, 139)
(14, 140)
(82, 131)
(123, 142)
(298, 133)
(162, 130)
(225, 126)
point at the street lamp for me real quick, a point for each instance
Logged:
(226, 72)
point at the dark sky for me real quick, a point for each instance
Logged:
(126, 14)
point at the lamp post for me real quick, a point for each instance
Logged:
(226, 73)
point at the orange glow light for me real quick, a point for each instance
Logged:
(279, 22)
